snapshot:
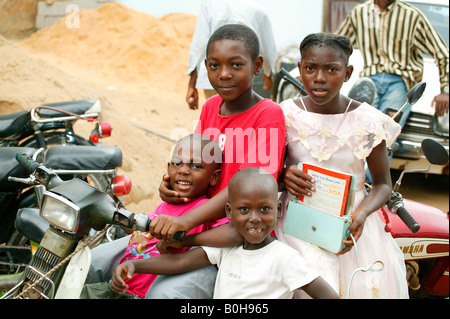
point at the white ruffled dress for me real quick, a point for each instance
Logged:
(342, 142)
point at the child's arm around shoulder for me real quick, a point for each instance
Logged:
(169, 264)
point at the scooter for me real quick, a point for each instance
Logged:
(52, 123)
(421, 231)
(68, 212)
(95, 164)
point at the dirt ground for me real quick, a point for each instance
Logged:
(136, 65)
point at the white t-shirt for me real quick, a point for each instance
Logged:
(216, 13)
(272, 272)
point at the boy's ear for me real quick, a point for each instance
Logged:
(228, 210)
(258, 65)
(214, 177)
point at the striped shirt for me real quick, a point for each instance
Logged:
(393, 41)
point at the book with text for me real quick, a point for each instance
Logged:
(334, 190)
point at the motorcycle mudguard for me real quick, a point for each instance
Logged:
(75, 275)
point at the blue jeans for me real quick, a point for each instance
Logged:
(391, 94)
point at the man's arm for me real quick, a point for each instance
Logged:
(428, 40)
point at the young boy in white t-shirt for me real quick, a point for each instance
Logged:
(262, 267)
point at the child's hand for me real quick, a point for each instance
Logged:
(163, 245)
(296, 183)
(120, 273)
(355, 229)
(165, 226)
(168, 195)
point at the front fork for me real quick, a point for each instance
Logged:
(53, 249)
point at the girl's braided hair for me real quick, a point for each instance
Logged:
(338, 42)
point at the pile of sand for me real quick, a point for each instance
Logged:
(117, 41)
(26, 81)
(134, 63)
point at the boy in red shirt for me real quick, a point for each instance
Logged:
(249, 129)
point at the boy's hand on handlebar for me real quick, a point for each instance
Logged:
(165, 226)
(168, 195)
(297, 182)
(120, 273)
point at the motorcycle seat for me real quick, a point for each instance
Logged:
(78, 107)
(83, 157)
(30, 224)
(12, 125)
(9, 166)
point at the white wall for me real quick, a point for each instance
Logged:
(291, 20)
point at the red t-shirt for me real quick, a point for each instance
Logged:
(253, 138)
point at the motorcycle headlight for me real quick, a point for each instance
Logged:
(60, 212)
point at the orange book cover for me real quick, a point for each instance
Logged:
(332, 189)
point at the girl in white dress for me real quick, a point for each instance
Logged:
(328, 129)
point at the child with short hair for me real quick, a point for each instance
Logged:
(251, 132)
(249, 129)
(194, 167)
(262, 267)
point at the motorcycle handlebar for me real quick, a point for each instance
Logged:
(26, 161)
(43, 174)
(293, 80)
(409, 221)
(179, 235)
(141, 222)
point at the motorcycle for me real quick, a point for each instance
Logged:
(68, 212)
(49, 125)
(52, 123)
(421, 231)
(95, 164)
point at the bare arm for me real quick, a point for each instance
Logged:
(165, 226)
(161, 265)
(222, 236)
(192, 93)
(320, 289)
(381, 190)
